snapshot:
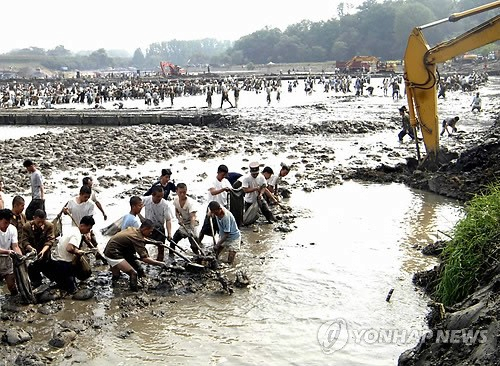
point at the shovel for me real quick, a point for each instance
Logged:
(212, 229)
(189, 263)
(190, 235)
(170, 240)
(177, 245)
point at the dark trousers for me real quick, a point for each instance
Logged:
(136, 264)
(178, 236)
(404, 132)
(62, 273)
(34, 205)
(35, 270)
(206, 229)
(236, 203)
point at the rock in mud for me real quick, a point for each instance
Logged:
(427, 279)
(29, 360)
(16, 336)
(75, 325)
(224, 283)
(242, 279)
(63, 338)
(49, 295)
(125, 334)
(434, 248)
(83, 294)
(11, 307)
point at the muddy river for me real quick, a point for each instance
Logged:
(318, 293)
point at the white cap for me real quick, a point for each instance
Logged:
(254, 166)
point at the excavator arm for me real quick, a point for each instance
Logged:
(421, 77)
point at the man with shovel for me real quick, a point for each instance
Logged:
(158, 211)
(121, 250)
(185, 211)
(218, 191)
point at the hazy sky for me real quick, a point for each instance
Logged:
(117, 24)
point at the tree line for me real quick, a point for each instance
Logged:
(375, 29)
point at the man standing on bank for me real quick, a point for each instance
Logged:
(37, 190)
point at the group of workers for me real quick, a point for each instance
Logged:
(449, 122)
(55, 252)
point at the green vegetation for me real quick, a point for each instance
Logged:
(473, 249)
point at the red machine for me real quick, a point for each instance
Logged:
(169, 69)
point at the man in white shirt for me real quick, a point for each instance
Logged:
(450, 122)
(253, 184)
(217, 192)
(8, 245)
(60, 268)
(185, 211)
(87, 181)
(80, 206)
(476, 103)
(157, 210)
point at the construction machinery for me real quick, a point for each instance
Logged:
(386, 67)
(366, 64)
(421, 76)
(358, 63)
(169, 69)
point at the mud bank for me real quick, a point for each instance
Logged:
(474, 166)
(465, 333)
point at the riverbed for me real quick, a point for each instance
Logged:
(351, 243)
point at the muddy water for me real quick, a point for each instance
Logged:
(352, 243)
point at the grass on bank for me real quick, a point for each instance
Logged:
(473, 249)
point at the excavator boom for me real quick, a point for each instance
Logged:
(420, 71)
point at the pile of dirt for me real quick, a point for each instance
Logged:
(464, 334)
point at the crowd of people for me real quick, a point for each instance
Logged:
(58, 251)
(96, 93)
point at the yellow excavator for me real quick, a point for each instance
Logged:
(421, 77)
